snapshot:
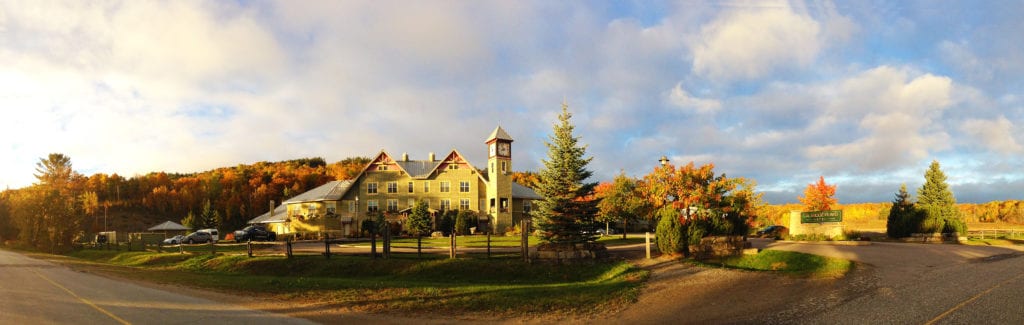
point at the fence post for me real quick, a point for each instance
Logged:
(213, 248)
(647, 242)
(525, 239)
(249, 247)
(288, 247)
(387, 240)
(181, 248)
(488, 244)
(373, 240)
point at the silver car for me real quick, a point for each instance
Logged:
(177, 239)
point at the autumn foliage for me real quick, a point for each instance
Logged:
(819, 196)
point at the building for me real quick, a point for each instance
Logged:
(393, 186)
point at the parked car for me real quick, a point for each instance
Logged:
(254, 232)
(771, 231)
(177, 239)
(198, 237)
(601, 231)
(213, 233)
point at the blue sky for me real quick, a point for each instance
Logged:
(865, 93)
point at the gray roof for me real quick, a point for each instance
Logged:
(280, 215)
(418, 168)
(331, 191)
(499, 133)
(168, 226)
(523, 192)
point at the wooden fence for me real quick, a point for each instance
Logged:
(995, 233)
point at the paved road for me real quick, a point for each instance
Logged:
(38, 292)
(919, 284)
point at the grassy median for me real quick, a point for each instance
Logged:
(406, 284)
(793, 263)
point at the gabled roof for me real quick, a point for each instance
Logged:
(280, 215)
(498, 133)
(331, 191)
(168, 226)
(523, 192)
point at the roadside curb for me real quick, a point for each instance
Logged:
(833, 243)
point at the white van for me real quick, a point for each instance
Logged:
(212, 232)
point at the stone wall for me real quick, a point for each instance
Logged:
(571, 252)
(718, 246)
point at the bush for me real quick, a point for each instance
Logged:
(670, 232)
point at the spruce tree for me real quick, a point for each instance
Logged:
(565, 215)
(210, 218)
(936, 199)
(900, 222)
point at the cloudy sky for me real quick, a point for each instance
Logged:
(865, 93)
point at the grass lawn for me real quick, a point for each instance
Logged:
(404, 284)
(793, 263)
(995, 241)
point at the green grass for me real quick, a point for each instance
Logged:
(793, 263)
(496, 241)
(994, 241)
(407, 284)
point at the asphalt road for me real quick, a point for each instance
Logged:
(39, 292)
(918, 284)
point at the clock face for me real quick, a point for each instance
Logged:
(503, 149)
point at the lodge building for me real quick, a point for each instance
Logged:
(393, 186)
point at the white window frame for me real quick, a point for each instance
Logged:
(446, 204)
(371, 188)
(392, 187)
(464, 204)
(371, 206)
(446, 187)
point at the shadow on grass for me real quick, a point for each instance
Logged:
(793, 263)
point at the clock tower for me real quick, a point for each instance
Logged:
(499, 179)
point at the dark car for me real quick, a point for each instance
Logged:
(771, 231)
(254, 232)
(198, 237)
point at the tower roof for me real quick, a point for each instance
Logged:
(499, 133)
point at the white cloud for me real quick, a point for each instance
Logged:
(682, 99)
(998, 134)
(896, 120)
(751, 44)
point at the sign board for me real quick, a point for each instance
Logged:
(821, 216)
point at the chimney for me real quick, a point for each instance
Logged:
(431, 157)
(271, 208)
(405, 156)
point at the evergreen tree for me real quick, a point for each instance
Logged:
(210, 218)
(936, 199)
(190, 221)
(566, 215)
(901, 220)
(419, 219)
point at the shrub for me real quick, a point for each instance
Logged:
(670, 232)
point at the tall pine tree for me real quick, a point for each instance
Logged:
(936, 199)
(566, 215)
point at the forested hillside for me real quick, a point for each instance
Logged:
(236, 193)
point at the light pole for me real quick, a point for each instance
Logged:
(663, 160)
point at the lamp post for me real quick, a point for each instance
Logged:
(663, 160)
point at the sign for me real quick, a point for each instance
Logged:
(821, 216)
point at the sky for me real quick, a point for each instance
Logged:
(864, 93)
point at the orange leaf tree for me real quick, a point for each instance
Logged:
(819, 196)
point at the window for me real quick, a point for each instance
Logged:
(392, 187)
(446, 187)
(371, 206)
(446, 204)
(527, 206)
(410, 187)
(504, 205)
(426, 186)
(382, 167)
(371, 188)
(463, 204)
(332, 208)
(504, 167)
(351, 207)
(453, 166)
(464, 187)
(411, 203)
(392, 205)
